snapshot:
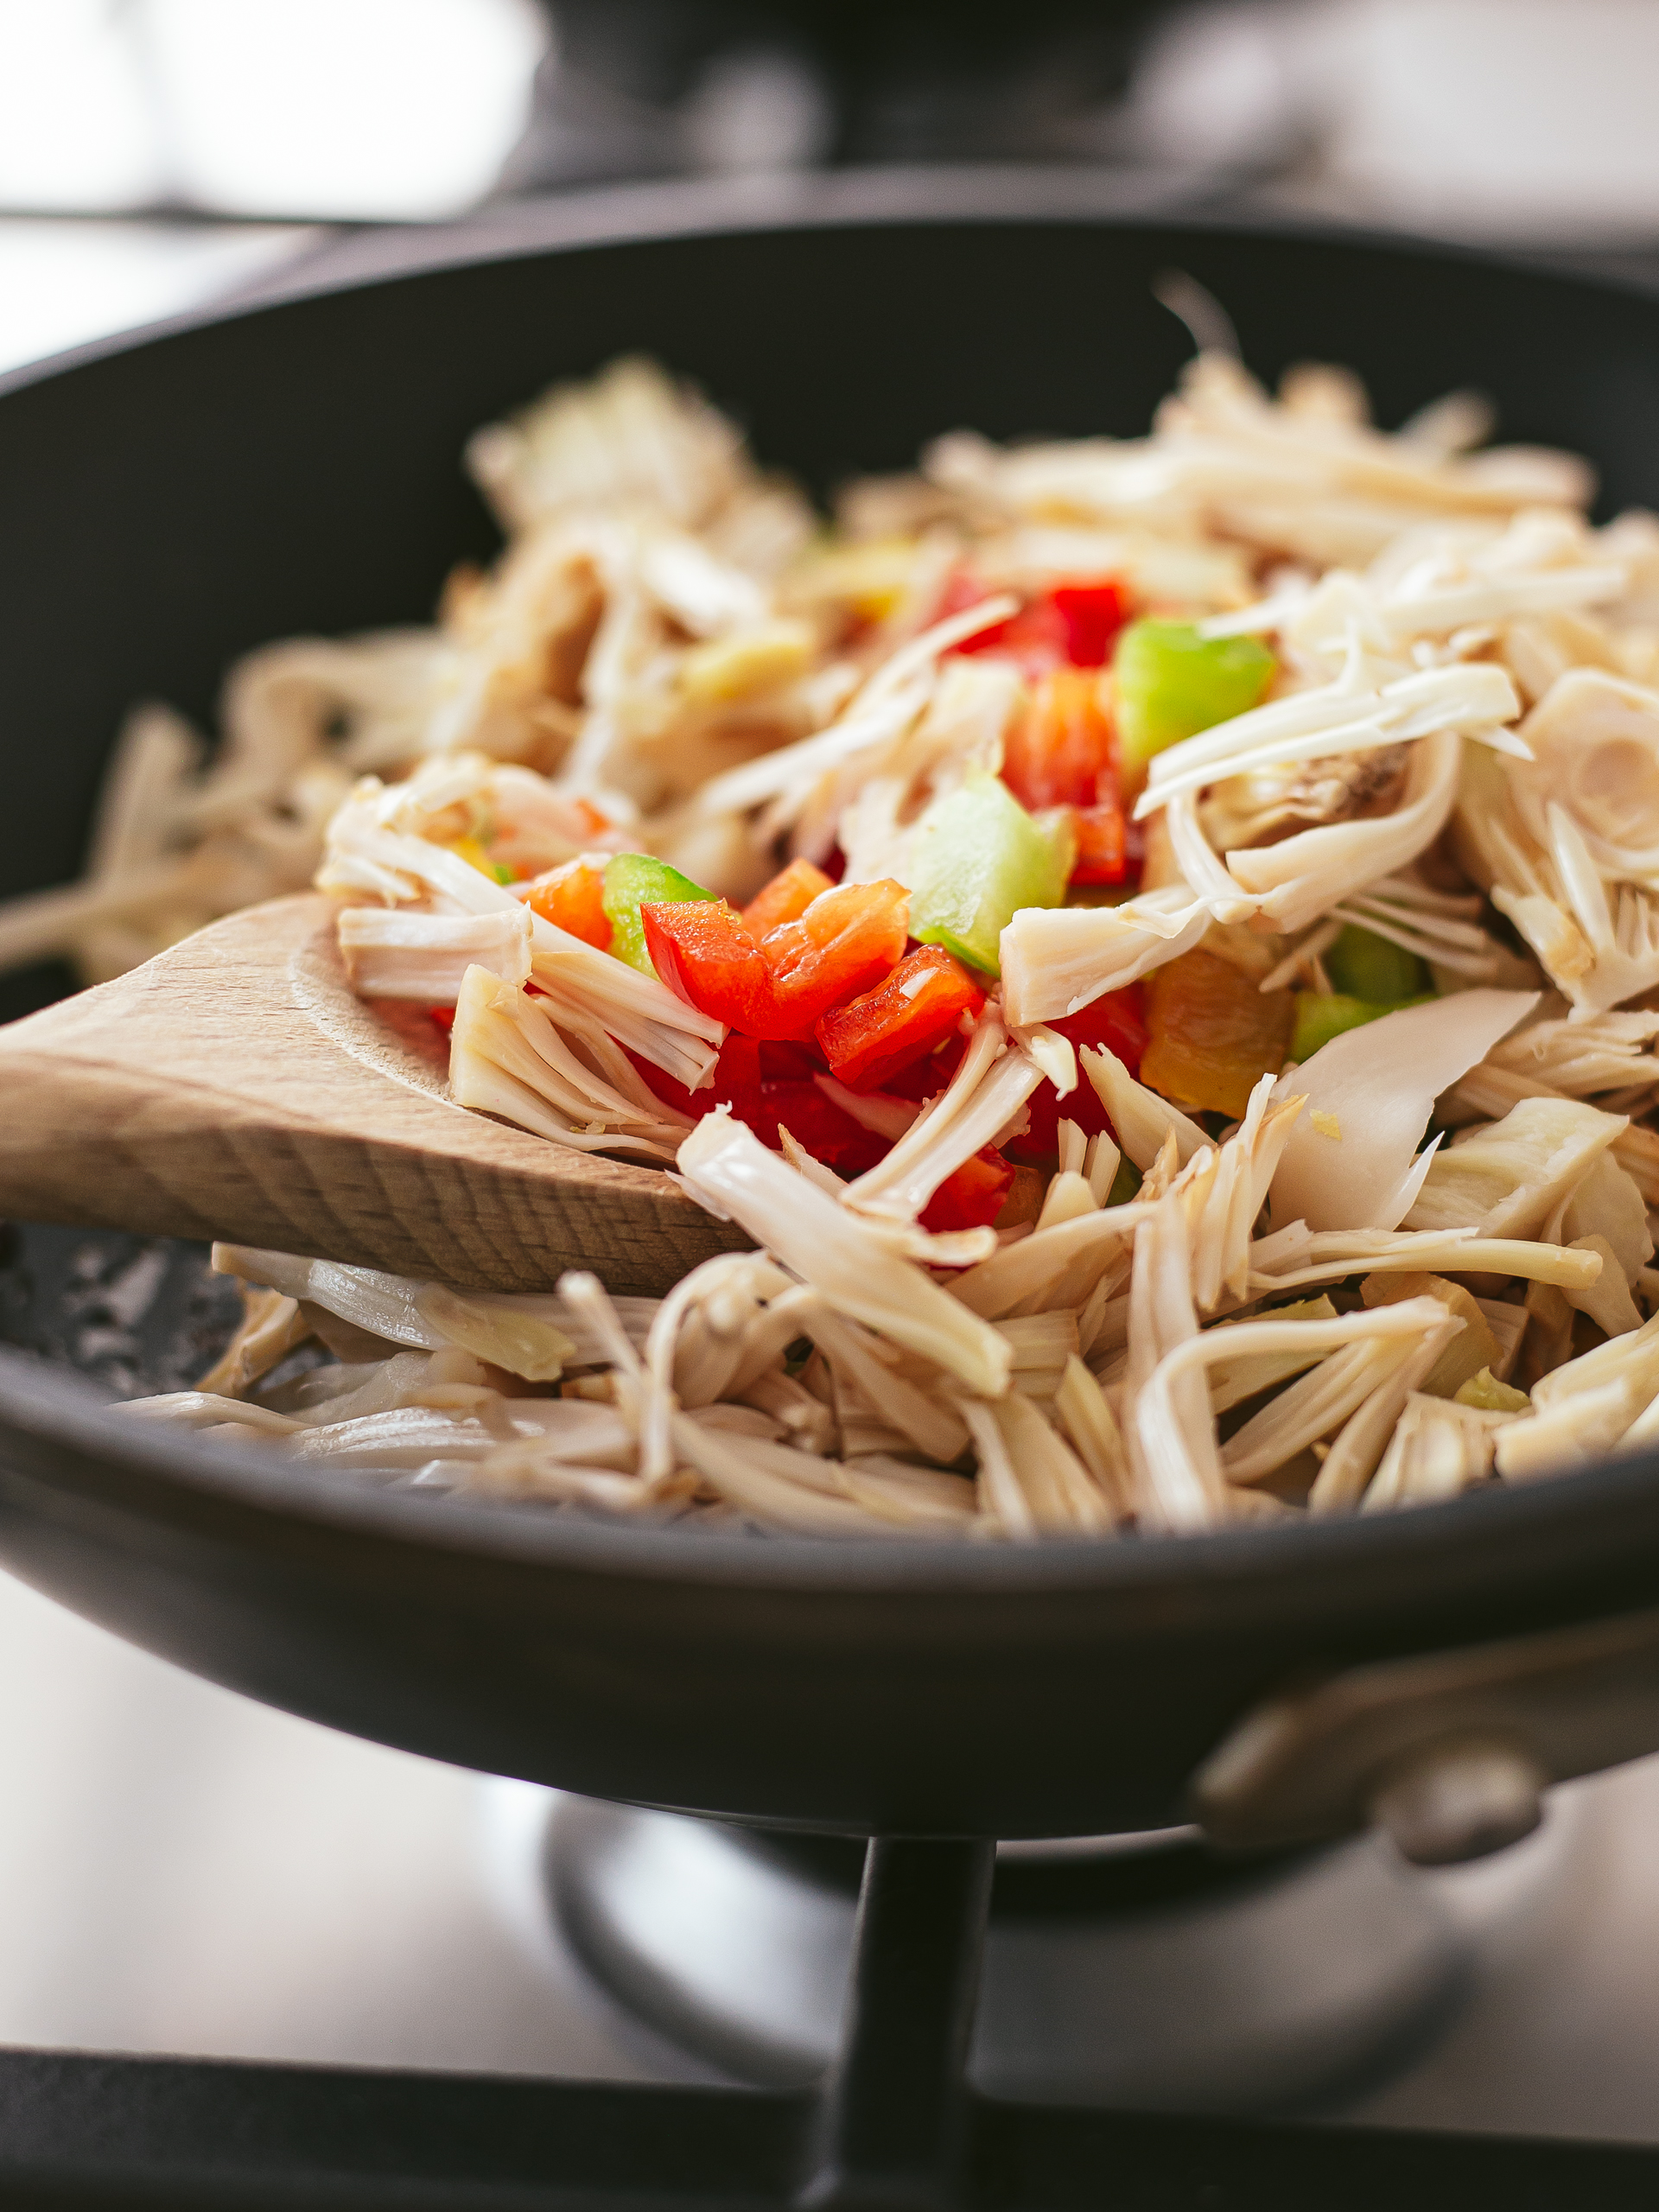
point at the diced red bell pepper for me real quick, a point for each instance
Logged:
(1102, 845)
(925, 1079)
(973, 1196)
(921, 1001)
(1073, 624)
(850, 936)
(827, 1131)
(1093, 609)
(786, 898)
(573, 898)
(1035, 635)
(1117, 1020)
(737, 1082)
(1060, 751)
(744, 1080)
(784, 1059)
(704, 951)
(848, 940)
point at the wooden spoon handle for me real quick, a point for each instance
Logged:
(234, 1087)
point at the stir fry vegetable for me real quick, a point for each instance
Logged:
(1156, 940)
(780, 985)
(631, 881)
(1321, 1015)
(1370, 977)
(924, 999)
(786, 898)
(1212, 1035)
(977, 857)
(1172, 681)
(572, 897)
(1367, 966)
(1072, 623)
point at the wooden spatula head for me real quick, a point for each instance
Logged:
(233, 1087)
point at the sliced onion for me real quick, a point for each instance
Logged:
(1373, 1088)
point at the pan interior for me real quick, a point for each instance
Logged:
(294, 470)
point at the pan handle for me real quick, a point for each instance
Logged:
(1450, 1752)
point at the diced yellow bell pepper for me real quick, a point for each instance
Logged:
(869, 576)
(747, 663)
(1472, 1352)
(1214, 1034)
(470, 850)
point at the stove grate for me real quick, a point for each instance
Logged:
(894, 2128)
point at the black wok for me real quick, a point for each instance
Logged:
(167, 502)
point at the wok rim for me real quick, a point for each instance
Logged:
(58, 1407)
(653, 212)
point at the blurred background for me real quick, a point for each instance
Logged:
(155, 151)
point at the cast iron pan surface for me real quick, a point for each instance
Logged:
(170, 502)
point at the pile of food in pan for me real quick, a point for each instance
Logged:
(1156, 941)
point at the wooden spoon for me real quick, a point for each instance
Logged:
(234, 1087)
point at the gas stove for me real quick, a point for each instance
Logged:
(205, 1876)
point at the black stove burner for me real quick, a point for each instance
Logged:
(893, 2128)
(1153, 1972)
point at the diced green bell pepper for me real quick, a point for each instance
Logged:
(633, 881)
(978, 857)
(1171, 683)
(1321, 1015)
(1367, 966)
(1125, 1184)
(1489, 1395)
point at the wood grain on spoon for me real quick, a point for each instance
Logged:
(234, 1087)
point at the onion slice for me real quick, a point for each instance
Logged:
(1351, 1159)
